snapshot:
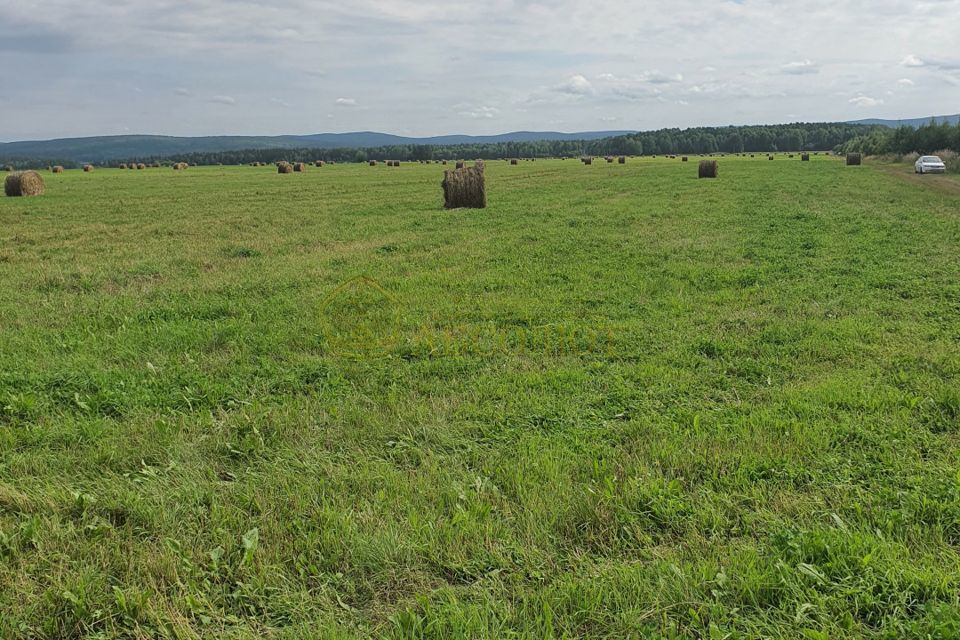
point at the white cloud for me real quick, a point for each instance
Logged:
(182, 91)
(801, 68)
(223, 100)
(576, 85)
(865, 101)
(478, 112)
(912, 61)
(345, 102)
(905, 82)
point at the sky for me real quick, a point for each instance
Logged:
(436, 67)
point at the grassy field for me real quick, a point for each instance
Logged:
(619, 402)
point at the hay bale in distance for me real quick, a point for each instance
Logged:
(318, 163)
(179, 166)
(460, 164)
(299, 167)
(373, 163)
(23, 183)
(514, 162)
(708, 169)
(854, 159)
(87, 168)
(769, 157)
(284, 167)
(141, 166)
(586, 161)
(8, 168)
(804, 157)
(684, 159)
(57, 169)
(465, 188)
(123, 165)
(622, 160)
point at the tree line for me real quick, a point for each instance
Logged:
(867, 139)
(903, 140)
(745, 139)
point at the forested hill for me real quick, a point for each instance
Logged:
(760, 139)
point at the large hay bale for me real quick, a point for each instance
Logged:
(299, 167)
(57, 169)
(804, 157)
(123, 165)
(396, 163)
(465, 188)
(460, 164)
(514, 162)
(23, 183)
(373, 163)
(318, 163)
(284, 167)
(141, 166)
(708, 169)
(684, 159)
(586, 161)
(769, 157)
(622, 160)
(179, 166)
(854, 159)
(87, 168)
(8, 168)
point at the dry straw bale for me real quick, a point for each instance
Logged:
(23, 183)
(622, 160)
(684, 159)
(373, 163)
(299, 167)
(514, 162)
(88, 168)
(8, 168)
(284, 167)
(318, 163)
(586, 161)
(123, 165)
(805, 157)
(465, 187)
(57, 169)
(708, 169)
(460, 164)
(179, 166)
(854, 159)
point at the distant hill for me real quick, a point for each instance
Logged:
(909, 122)
(106, 148)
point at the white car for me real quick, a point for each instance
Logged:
(930, 164)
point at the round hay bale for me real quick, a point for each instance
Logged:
(514, 162)
(8, 168)
(465, 188)
(373, 163)
(299, 167)
(87, 168)
(769, 157)
(123, 165)
(854, 159)
(57, 169)
(622, 160)
(684, 159)
(586, 161)
(318, 163)
(804, 157)
(708, 169)
(460, 164)
(23, 183)
(179, 166)
(284, 167)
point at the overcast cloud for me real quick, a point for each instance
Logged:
(430, 67)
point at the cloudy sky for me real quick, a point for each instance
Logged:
(429, 67)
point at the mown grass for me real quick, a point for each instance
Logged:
(620, 402)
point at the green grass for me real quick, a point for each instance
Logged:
(619, 402)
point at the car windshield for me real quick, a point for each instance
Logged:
(930, 159)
